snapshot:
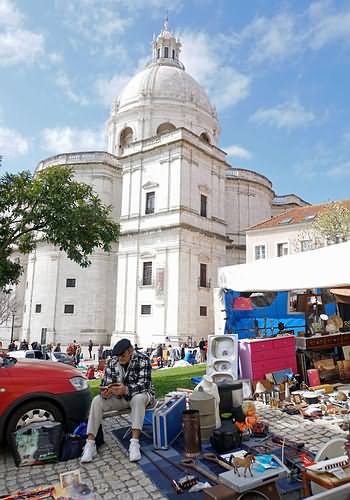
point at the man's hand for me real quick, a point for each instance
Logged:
(105, 392)
(118, 390)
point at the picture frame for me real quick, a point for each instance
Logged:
(69, 479)
(247, 389)
(296, 399)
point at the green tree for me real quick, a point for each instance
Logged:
(50, 206)
(333, 223)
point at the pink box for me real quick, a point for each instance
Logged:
(313, 376)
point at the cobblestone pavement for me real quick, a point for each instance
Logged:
(112, 476)
(295, 428)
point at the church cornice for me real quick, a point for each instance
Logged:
(179, 135)
(180, 226)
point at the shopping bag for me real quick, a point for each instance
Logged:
(37, 443)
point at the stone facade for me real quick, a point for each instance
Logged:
(183, 212)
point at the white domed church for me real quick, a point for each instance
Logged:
(182, 210)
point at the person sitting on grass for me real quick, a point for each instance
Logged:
(126, 383)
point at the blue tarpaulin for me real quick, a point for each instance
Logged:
(247, 322)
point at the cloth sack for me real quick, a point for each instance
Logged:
(71, 447)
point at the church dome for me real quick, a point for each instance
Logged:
(161, 98)
(164, 81)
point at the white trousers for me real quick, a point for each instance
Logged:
(100, 405)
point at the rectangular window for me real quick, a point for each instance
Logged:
(306, 245)
(147, 273)
(150, 197)
(260, 252)
(38, 308)
(203, 205)
(282, 249)
(71, 283)
(202, 310)
(68, 309)
(166, 51)
(146, 309)
(203, 276)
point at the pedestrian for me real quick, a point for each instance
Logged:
(202, 350)
(90, 346)
(58, 347)
(100, 352)
(126, 383)
(77, 355)
(23, 345)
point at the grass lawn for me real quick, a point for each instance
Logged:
(165, 380)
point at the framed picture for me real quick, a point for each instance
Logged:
(70, 479)
(247, 389)
(296, 399)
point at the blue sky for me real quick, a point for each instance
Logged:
(277, 71)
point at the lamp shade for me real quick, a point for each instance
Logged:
(259, 388)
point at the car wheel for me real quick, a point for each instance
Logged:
(32, 412)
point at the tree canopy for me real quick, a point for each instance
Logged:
(51, 206)
(333, 223)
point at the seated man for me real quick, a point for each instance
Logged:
(126, 384)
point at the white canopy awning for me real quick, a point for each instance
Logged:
(327, 267)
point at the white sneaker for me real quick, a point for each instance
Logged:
(89, 452)
(134, 450)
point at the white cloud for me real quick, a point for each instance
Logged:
(205, 60)
(272, 38)
(12, 143)
(328, 25)
(107, 89)
(63, 82)
(236, 151)
(283, 36)
(55, 57)
(9, 14)
(67, 139)
(288, 115)
(17, 45)
(341, 170)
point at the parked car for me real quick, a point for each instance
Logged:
(49, 356)
(32, 391)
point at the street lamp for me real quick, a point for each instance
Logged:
(12, 326)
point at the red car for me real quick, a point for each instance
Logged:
(33, 391)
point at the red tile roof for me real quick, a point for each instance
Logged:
(296, 215)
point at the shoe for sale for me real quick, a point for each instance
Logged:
(134, 450)
(89, 452)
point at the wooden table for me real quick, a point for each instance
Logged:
(323, 479)
(318, 343)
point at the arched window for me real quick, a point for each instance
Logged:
(204, 138)
(166, 51)
(173, 54)
(164, 128)
(126, 137)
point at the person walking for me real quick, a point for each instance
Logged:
(202, 350)
(58, 347)
(90, 346)
(127, 383)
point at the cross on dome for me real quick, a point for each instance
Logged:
(166, 48)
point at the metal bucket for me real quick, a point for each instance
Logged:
(205, 404)
(191, 433)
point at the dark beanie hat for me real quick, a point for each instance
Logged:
(120, 347)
